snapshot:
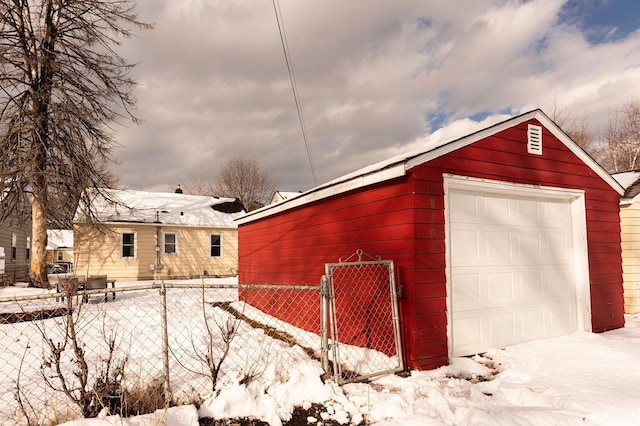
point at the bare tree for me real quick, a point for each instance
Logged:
(239, 178)
(200, 184)
(623, 138)
(62, 208)
(246, 180)
(61, 85)
(66, 366)
(577, 129)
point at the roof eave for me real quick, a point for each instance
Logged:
(389, 172)
(629, 200)
(400, 167)
(163, 224)
(579, 152)
(535, 114)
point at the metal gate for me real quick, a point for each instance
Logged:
(361, 326)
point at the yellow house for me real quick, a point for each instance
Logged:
(630, 230)
(138, 235)
(60, 247)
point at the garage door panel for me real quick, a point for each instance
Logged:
(555, 214)
(526, 212)
(477, 331)
(465, 207)
(532, 285)
(494, 210)
(466, 243)
(561, 320)
(469, 333)
(501, 287)
(512, 270)
(526, 243)
(480, 247)
(493, 245)
(557, 247)
(497, 245)
(493, 285)
(533, 324)
(502, 328)
(466, 289)
(555, 286)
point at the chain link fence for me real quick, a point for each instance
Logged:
(68, 357)
(14, 273)
(360, 298)
(138, 347)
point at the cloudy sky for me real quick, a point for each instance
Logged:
(375, 79)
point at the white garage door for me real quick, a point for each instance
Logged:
(512, 270)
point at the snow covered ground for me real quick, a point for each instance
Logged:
(579, 379)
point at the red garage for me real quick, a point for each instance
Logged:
(506, 235)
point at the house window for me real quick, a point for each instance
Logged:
(128, 244)
(28, 250)
(14, 246)
(59, 256)
(170, 243)
(216, 245)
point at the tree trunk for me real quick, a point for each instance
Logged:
(38, 269)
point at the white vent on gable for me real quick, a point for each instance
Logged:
(534, 139)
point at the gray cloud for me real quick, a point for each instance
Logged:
(375, 79)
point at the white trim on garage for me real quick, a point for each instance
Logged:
(399, 165)
(575, 199)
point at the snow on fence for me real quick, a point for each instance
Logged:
(65, 356)
(159, 342)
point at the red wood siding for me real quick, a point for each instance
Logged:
(404, 220)
(294, 247)
(503, 157)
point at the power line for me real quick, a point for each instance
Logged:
(292, 79)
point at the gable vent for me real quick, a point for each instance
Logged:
(534, 140)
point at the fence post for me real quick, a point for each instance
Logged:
(165, 344)
(325, 295)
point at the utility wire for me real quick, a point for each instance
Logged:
(292, 79)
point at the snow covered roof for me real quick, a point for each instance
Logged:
(397, 166)
(630, 182)
(117, 206)
(626, 179)
(283, 195)
(59, 238)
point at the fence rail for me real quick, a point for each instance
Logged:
(156, 343)
(65, 356)
(14, 273)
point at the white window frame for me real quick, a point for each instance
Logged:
(211, 245)
(135, 244)
(14, 247)
(175, 243)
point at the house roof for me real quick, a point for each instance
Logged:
(128, 206)
(630, 181)
(283, 195)
(397, 166)
(59, 239)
